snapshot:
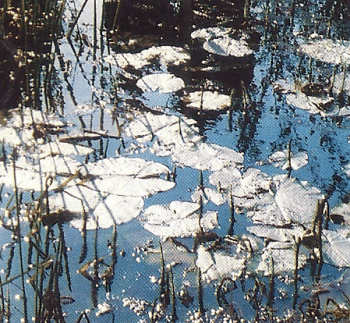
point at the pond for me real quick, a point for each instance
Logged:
(172, 161)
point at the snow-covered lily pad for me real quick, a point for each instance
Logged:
(327, 50)
(207, 100)
(206, 156)
(167, 55)
(163, 83)
(228, 47)
(178, 219)
(280, 159)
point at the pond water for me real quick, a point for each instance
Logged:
(217, 191)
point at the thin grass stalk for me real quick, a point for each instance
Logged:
(162, 292)
(2, 296)
(83, 252)
(94, 46)
(24, 27)
(174, 316)
(296, 269)
(8, 309)
(76, 20)
(65, 256)
(9, 262)
(232, 215)
(289, 158)
(201, 308)
(25, 309)
(271, 293)
(319, 239)
(94, 283)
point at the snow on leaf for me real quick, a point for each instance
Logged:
(217, 264)
(137, 167)
(327, 50)
(335, 247)
(207, 100)
(277, 234)
(178, 219)
(208, 194)
(283, 256)
(205, 156)
(210, 32)
(63, 149)
(28, 117)
(130, 186)
(163, 83)
(226, 46)
(58, 165)
(280, 159)
(297, 201)
(167, 55)
(314, 105)
(165, 131)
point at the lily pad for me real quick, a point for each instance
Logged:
(280, 159)
(226, 46)
(327, 50)
(296, 200)
(165, 132)
(205, 156)
(166, 55)
(178, 219)
(163, 83)
(207, 100)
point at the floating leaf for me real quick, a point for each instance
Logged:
(168, 131)
(335, 247)
(207, 100)
(63, 149)
(280, 159)
(205, 156)
(226, 46)
(217, 264)
(296, 200)
(163, 83)
(167, 55)
(283, 256)
(327, 50)
(178, 219)
(211, 32)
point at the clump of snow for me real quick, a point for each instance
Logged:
(178, 219)
(327, 50)
(207, 100)
(227, 46)
(162, 82)
(103, 309)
